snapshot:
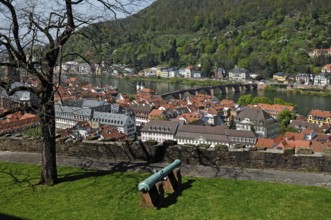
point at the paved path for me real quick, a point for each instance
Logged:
(269, 175)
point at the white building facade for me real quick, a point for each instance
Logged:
(159, 131)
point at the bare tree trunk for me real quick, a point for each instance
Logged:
(47, 116)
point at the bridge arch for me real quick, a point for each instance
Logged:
(210, 90)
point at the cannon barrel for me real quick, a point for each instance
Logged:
(149, 183)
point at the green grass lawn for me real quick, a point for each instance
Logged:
(104, 195)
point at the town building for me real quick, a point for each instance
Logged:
(98, 112)
(84, 68)
(159, 130)
(188, 118)
(220, 73)
(173, 72)
(301, 125)
(82, 130)
(320, 52)
(68, 116)
(238, 73)
(18, 99)
(279, 76)
(18, 122)
(319, 117)
(69, 66)
(96, 105)
(188, 71)
(257, 120)
(304, 78)
(157, 114)
(275, 109)
(322, 79)
(212, 117)
(326, 68)
(197, 75)
(195, 134)
(141, 112)
(124, 123)
(164, 73)
(109, 133)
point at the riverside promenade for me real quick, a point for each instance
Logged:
(266, 175)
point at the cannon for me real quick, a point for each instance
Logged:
(149, 183)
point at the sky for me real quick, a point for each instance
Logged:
(90, 9)
(132, 6)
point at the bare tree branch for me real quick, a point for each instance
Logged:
(42, 29)
(15, 28)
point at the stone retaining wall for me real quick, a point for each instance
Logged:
(169, 151)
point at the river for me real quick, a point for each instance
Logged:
(305, 102)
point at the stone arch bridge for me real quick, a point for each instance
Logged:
(209, 90)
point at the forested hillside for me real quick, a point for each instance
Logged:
(264, 36)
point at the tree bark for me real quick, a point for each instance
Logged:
(47, 116)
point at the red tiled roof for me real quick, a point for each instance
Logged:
(322, 138)
(27, 115)
(327, 66)
(146, 90)
(307, 131)
(323, 49)
(289, 135)
(294, 136)
(264, 142)
(318, 146)
(190, 67)
(320, 113)
(227, 103)
(190, 117)
(156, 112)
(294, 144)
(17, 121)
(168, 106)
(212, 111)
(275, 108)
(110, 133)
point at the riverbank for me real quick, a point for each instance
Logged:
(311, 91)
(161, 86)
(192, 82)
(281, 88)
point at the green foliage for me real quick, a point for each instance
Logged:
(90, 194)
(263, 35)
(245, 99)
(282, 102)
(131, 98)
(261, 99)
(279, 101)
(33, 132)
(284, 118)
(270, 88)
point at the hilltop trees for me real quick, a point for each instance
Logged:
(263, 36)
(34, 35)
